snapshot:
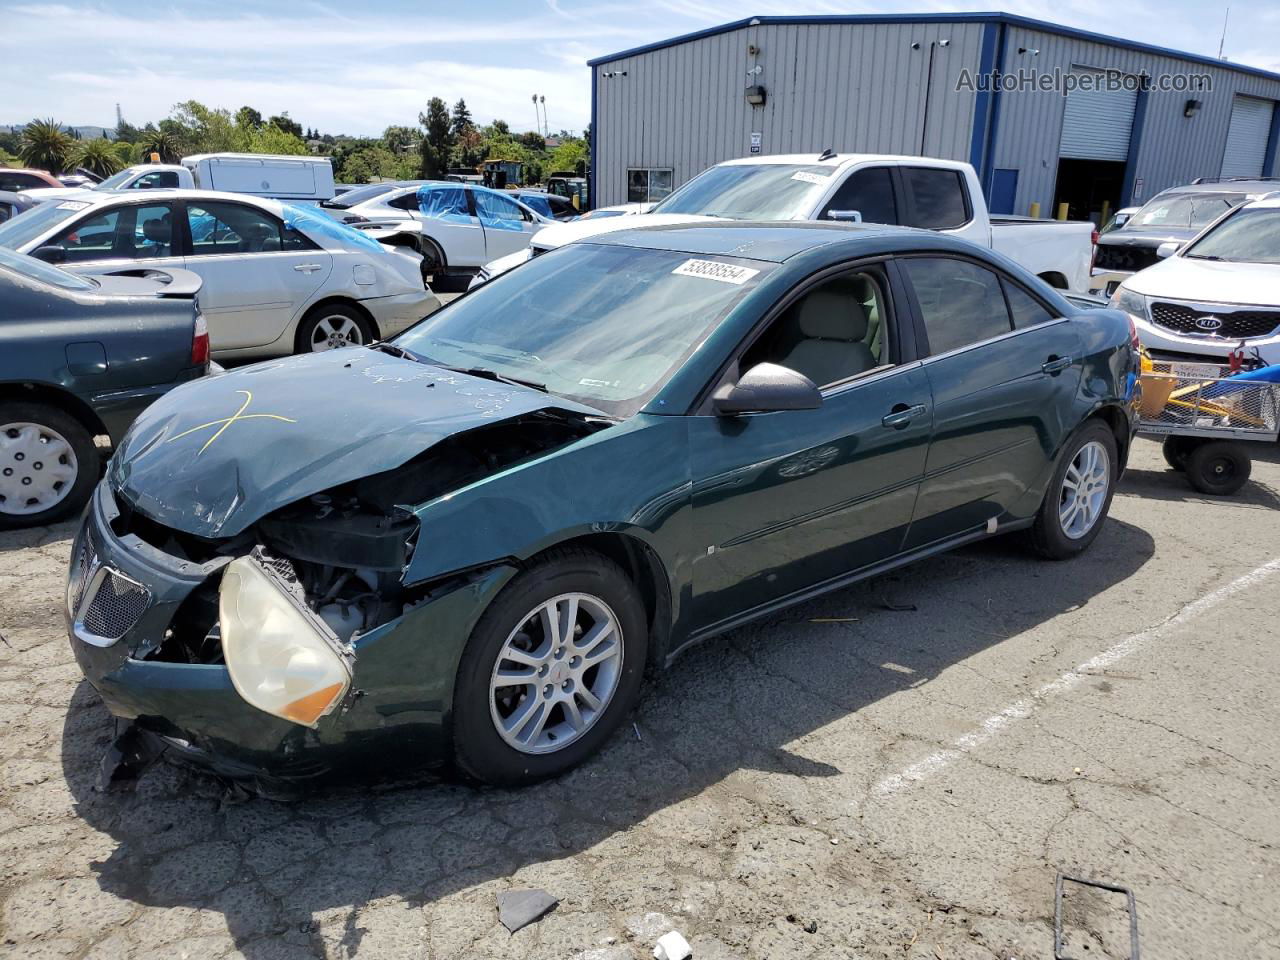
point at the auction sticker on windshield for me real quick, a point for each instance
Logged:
(809, 177)
(713, 270)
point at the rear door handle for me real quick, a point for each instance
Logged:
(1055, 365)
(901, 415)
(307, 267)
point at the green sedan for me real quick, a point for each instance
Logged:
(469, 545)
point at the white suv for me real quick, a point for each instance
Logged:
(1217, 294)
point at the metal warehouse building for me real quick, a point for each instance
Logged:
(960, 86)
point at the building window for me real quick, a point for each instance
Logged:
(648, 184)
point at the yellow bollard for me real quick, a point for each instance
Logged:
(1035, 210)
(1106, 213)
(1062, 211)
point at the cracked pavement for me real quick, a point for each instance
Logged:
(742, 807)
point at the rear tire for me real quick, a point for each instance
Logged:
(1177, 449)
(512, 641)
(1079, 495)
(48, 465)
(331, 326)
(1218, 467)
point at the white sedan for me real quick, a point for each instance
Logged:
(461, 227)
(279, 278)
(1217, 294)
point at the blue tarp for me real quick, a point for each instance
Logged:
(309, 220)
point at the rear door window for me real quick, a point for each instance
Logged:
(869, 192)
(936, 199)
(960, 302)
(220, 228)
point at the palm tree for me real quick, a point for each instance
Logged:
(99, 156)
(45, 146)
(165, 144)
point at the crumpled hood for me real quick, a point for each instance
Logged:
(1210, 281)
(214, 456)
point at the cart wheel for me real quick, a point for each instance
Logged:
(1177, 449)
(1218, 467)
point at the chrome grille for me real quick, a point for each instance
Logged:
(115, 606)
(1233, 324)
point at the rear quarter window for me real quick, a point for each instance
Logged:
(937, 199)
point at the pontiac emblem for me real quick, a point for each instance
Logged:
(226, 422)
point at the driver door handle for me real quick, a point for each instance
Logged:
(307, 267)
(901, 415)
(1055, 365)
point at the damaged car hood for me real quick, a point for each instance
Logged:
(215, 456)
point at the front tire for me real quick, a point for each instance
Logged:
(550, 671)
(1079, 494)
(333, 326)
(48, 465)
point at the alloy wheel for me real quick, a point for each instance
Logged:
(37, 468)
(1084, 490)
(336, 331)
(556, 674)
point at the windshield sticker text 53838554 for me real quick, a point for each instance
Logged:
(714, 270)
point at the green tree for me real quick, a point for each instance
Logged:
(401, 139)
(469, 149)
(570, 155)
(248, 118)
(461, 120)
(437, 144)
(271, 139)
(533, 141)
(374, 163)
(283, 122)
(97, 155)
(126, 131)
(164, 142)
(45, 146)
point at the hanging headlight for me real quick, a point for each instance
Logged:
(1134, 304)
(282, 658)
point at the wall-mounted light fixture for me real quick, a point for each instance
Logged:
(611, 74)
(755, 95)
(1191, 108)
(1031, 50)
(753, 50)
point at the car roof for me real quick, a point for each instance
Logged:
(840, 160)
(774, 242)
(1222, 186)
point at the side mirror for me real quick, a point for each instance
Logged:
(766, 388)
(853, 216)
(1167, 249)
(51, 254)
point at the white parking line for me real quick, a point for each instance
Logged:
(1022, 709)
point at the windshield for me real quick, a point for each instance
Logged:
(39, 270)
(114, 180)
(1185, 210)
(1251, 235)
(22, 229)
(760, 191)
(604, 325)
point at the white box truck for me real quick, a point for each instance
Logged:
(263, 175)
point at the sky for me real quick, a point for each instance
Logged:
(357, 68)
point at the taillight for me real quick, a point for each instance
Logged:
(1093, 255)
(1133, 333)
(200, 341)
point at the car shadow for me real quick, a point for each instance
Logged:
(1172, 485)
(282, 872)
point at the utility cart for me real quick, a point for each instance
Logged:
(1206, 414)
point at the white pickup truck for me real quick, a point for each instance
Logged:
(261, 175)
(941, 195)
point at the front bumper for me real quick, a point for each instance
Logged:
(398, 313)
(395, 720)
(1157, 338)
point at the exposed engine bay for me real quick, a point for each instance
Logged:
(347, 547)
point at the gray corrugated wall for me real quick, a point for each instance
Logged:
(1172, 149)
(851, 87)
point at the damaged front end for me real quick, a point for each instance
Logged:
(298, 646)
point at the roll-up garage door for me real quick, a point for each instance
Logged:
(1247, 137)
(1096, 123)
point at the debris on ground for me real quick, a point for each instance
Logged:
(519, 908)
(898, 607)
(130, 753)
(672, 946)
